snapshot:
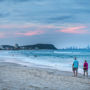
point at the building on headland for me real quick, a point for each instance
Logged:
(16, 47)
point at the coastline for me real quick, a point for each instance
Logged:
(19, 77)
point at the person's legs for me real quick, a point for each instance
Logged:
(84, 72)
(87, 73)
(76, 71)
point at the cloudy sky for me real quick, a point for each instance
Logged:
(63, 23)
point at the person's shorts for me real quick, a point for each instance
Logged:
(75, 69)
(85, 69)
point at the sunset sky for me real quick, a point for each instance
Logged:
(63, 23)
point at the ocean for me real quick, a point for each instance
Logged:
(54, 59)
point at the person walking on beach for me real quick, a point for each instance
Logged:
(75, 67)
(85, 68)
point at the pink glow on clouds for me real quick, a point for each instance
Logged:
(30, 33)
(39, 29)
(19, 34)
(75, 30)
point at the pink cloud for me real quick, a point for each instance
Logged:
(30, 33)
(39, 29)
(19, 34)
(75, 30)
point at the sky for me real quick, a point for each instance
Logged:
(63, 23)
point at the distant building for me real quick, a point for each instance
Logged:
(16, 46)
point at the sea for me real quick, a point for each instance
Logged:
(55, 59)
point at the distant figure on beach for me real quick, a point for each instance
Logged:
(85, 68)
(75, 66)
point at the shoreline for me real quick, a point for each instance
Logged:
(31, 64)
(18, 77)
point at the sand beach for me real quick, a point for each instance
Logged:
(18, 77)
